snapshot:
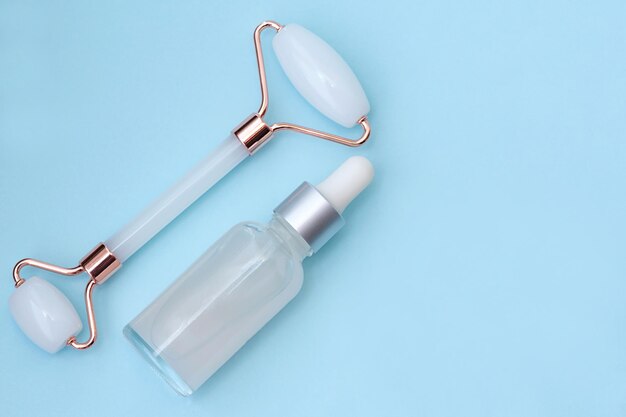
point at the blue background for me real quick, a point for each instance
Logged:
(482, 274)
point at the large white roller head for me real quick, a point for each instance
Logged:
(320, 75)
(44, 314)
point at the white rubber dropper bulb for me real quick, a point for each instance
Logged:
(347, 182)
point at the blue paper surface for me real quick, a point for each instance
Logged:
(483, 273)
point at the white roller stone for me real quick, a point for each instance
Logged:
(44, 314)
(320, 75)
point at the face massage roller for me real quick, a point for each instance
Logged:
(321, 76)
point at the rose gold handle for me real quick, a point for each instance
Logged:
(91, 320)
(258, 48)
(42, 265)
(328, 136)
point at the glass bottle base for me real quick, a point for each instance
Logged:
(158, 363)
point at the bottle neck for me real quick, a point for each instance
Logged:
(292, 240)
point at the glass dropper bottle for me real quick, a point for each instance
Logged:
(241, 282)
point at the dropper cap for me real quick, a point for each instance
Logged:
(315, 212)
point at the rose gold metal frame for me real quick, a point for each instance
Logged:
(99, 264)
(253, 132)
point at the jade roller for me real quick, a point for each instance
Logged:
(321, 76)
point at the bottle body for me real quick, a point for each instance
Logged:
(220, 302)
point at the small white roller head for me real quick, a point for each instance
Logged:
(347, 182)
(320, 74)
(44, 314)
